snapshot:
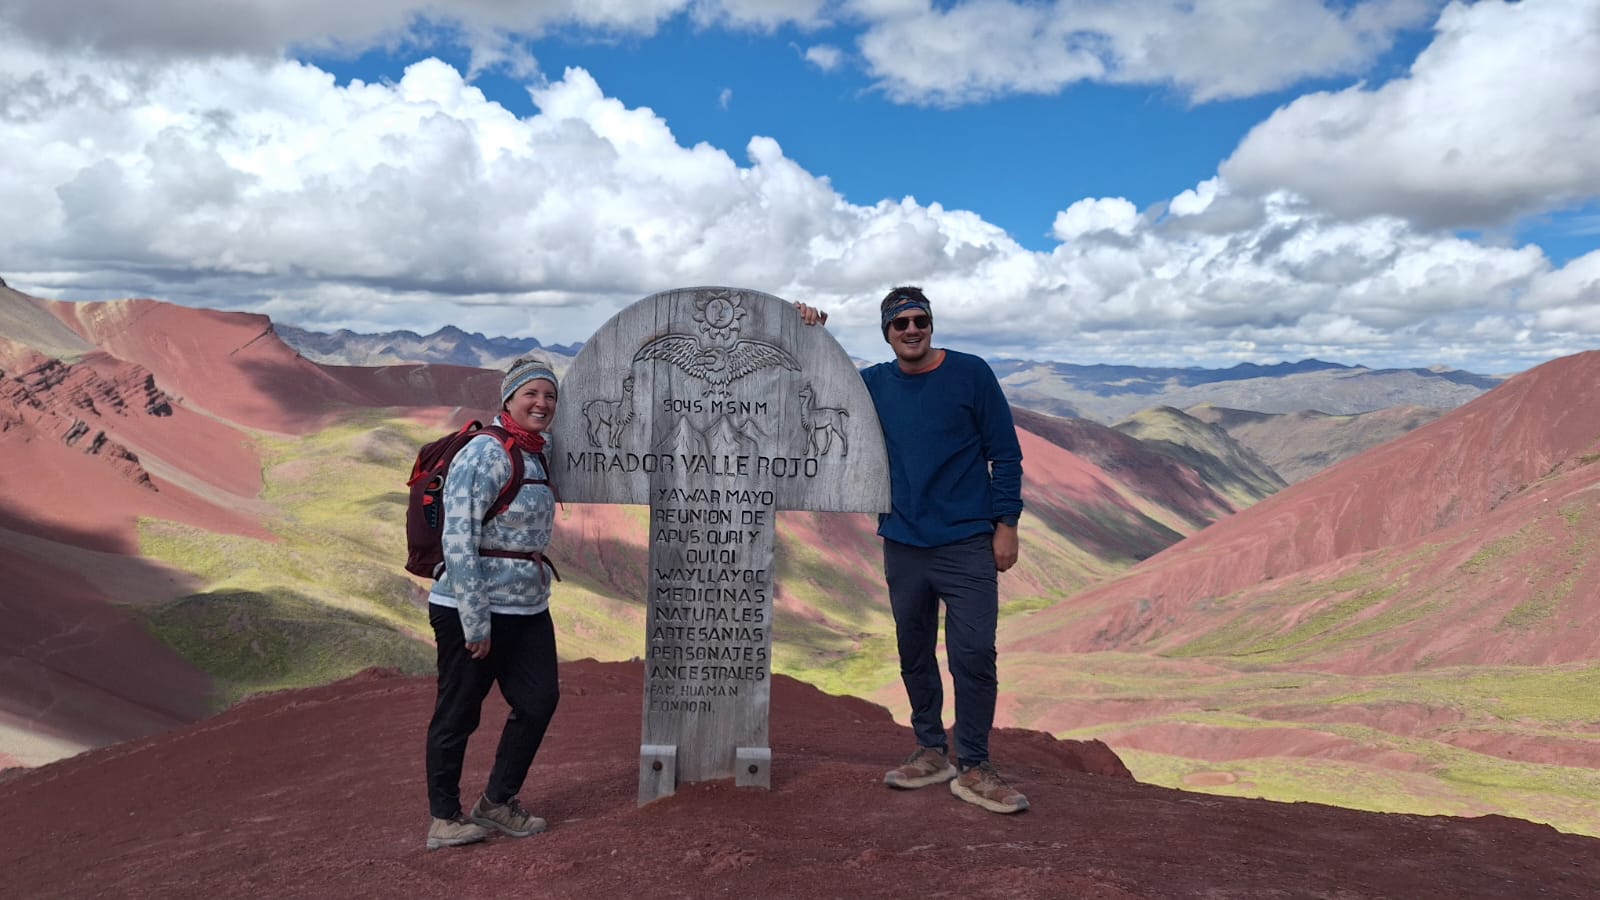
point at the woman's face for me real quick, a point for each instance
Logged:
(533, 406)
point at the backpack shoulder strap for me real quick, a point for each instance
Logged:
(545, 465)
(435, 455)
(518, 468)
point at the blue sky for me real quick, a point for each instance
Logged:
(1015, 160)
(1389, 182)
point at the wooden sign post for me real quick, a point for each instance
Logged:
(717, 407)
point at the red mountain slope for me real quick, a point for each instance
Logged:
(233, 366)
(79, 671)
(1167, 485)
(140, 409)
(1514, 461)
(113, 412)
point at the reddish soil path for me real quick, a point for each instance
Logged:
(317, 793)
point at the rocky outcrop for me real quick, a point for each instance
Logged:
(70, 402)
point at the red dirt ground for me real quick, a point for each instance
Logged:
(318, 793)
(77, 668)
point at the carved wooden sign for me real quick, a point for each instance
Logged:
(717, 407)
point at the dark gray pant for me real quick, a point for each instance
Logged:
(961, 574)
(522, 660)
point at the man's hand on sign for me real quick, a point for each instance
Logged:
(811, 315)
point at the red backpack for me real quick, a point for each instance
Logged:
(425, 509)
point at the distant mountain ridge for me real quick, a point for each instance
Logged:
(449, 345)
(1108, 380)
(1110, 393)
(1298, 445)
(1100, 392)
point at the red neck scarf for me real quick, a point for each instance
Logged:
(531, 441)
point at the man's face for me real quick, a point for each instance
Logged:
(909, 334)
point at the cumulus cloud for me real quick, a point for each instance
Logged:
(1568, 299)
(760, 15)
(919, 52)
(979, 49)
(825, 57)
(1498, 119)
(234, 181)
(1085, 217)
(249, 182)
(166, 28)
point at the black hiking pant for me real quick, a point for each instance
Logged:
(522, 660)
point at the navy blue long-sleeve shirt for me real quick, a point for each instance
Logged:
(955, 466)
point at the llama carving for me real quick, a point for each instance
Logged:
(608, 419)
(821, 423)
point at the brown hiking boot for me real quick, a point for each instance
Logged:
(983, 786)
(453, 832)
(929, 765)
(509, 818)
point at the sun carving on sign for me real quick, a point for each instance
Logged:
(718, 355)
(718, 315)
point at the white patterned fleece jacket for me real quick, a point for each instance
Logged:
(478, 585)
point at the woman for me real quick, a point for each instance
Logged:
(490, 612)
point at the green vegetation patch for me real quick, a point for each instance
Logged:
(1535, 610)
(1453, 781)
(327, 595)
(1120, 693)
(252, 642)
(1488, 557)
(593, 625)
(1256, 636)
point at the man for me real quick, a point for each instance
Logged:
(955, 471)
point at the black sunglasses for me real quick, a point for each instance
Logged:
(901, 324)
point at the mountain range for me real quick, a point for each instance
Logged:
(178, 457)
(447, 346)
(1298, 417)
(194, 512)
(1104, 393)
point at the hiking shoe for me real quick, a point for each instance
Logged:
(929, 765)
(453, 832)
(509, 818)
(983, 786)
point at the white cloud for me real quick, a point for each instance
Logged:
(979, 49)
(760, 15)
(1215, 51)
(1088, 216)
(1498, 119)
(259, 183)
(1568, 300)
(825, 57)
(155, 29)
(973, 51)
(181, 28)
(920, 52)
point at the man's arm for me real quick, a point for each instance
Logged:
(1003, 452)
